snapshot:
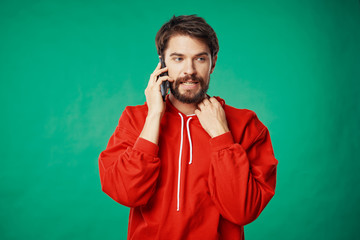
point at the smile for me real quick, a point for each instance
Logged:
(189, 83)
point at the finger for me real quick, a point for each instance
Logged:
(154, 73)
(162, 79)
(153, 77)
(160, 71)
(201, 106)
(158, 66)
(197, 112)
(206, 102)
(213, 100)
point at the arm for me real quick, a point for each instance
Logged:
(241, 181)
(129, 166)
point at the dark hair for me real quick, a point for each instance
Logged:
(190, 25)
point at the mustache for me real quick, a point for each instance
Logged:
(193, 77)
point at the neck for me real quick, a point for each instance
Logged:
(185, 108)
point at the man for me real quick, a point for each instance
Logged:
(191, 167)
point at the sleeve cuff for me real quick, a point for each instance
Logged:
(222, 141)
(145, 146)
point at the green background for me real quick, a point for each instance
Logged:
(69, 68)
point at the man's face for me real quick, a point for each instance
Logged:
(189, 62)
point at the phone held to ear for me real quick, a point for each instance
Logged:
(165, 84)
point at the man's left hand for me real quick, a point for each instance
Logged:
(212, 117)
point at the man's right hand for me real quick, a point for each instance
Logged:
(156, 105)
(154, 99)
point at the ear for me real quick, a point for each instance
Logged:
(213, 64)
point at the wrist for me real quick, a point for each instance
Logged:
(151, 128)
(153, 116)
(218, 132)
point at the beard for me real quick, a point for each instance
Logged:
(189, 96)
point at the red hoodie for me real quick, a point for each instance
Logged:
(189, 186)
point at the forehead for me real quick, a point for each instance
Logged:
(186, 45)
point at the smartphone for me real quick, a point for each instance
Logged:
(164, 87)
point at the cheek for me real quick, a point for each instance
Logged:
(205, 73)
(204, 69)
(173, 71)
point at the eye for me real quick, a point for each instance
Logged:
(201, 59)
(178, 59)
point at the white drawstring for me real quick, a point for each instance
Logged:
(180, 155)
(179, 171)
(189, 137)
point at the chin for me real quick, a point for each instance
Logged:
(191, 98)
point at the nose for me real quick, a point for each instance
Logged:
(189, 68)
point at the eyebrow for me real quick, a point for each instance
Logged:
(180, 54)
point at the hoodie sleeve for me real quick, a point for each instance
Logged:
(129, 166)
(242, 181)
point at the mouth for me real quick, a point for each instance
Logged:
(189, 83)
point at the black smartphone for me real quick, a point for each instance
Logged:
(164, 87)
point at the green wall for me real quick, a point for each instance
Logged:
(68, 69)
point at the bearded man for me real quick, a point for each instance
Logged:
(189, 167)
